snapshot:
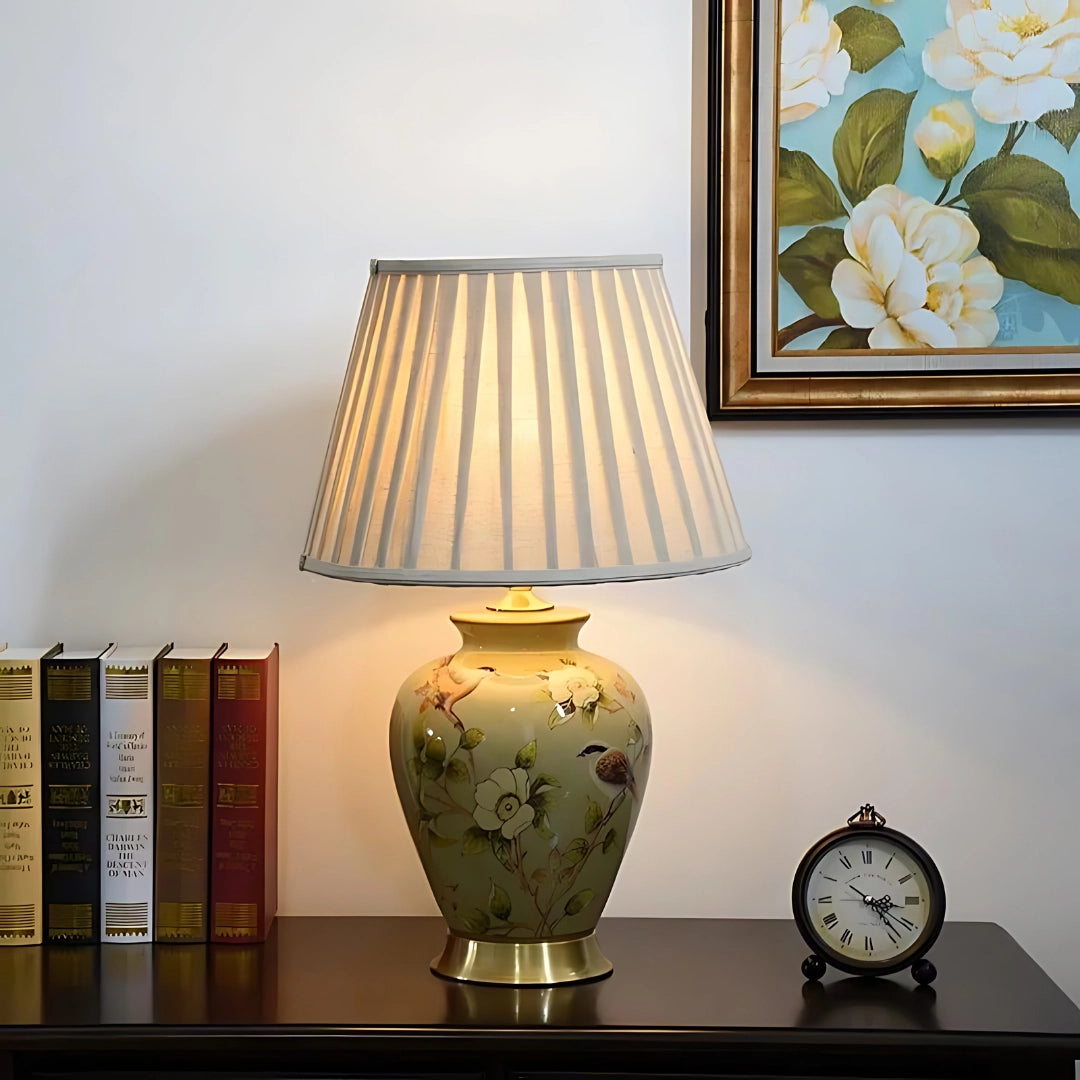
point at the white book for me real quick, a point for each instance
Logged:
(127, 793)
(21, 795)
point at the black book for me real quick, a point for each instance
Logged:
(71, 754)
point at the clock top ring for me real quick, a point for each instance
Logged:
(868, 900)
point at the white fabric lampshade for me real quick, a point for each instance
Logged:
(520, 422)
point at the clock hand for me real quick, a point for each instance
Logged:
(865, 899)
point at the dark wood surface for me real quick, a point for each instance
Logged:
(691, 984)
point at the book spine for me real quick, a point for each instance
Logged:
(243, 866)
(127, 803)
(20, 803)
(70, 725)
(182, 870)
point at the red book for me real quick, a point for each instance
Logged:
(243, 839)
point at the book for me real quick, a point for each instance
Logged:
(182, 863)
(127, 792)
(243, 831)
(21, 921)
(71, 834)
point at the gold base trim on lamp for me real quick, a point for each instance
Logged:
(533, 963)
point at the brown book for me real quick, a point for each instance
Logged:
(182, 863)
(243, 831)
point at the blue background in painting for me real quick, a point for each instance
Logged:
(1027, 317)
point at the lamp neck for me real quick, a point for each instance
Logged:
(520, 598)
(522, 631)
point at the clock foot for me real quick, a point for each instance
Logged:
(813, 967)
(923, 972)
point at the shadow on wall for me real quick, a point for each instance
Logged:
(197, 545)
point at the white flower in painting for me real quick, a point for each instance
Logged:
(813, 67)
(501, 805)
(913, 278)
(1016, 56)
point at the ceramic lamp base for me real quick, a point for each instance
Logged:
(532, 963)
(521, 761)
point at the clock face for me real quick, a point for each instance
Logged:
(870, 899)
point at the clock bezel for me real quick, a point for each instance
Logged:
(805, 923)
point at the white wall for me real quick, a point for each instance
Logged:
(190, 197)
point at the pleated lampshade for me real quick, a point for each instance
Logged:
(519, 422)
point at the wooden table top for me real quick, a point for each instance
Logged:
(721, 981)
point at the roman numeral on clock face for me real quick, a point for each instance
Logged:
(824, 899)
(845, 938)
(867, 858)
(845, 861)
(905, 878)
(830, 920)
(869, 944)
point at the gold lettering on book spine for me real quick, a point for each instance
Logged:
(182, 682)
(238, 795)
(180, 922)
(237, 682)
(126, 919)
(64, 795)
(236, 920)
(192, 795)
(70, 682)
(127, 682)
(17, 920)
(16, 682)
(71, 922)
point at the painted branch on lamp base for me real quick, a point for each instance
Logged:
(520, 762)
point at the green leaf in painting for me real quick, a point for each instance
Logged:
(804, 194)
(557, 719)
(610, 840)
(1027, 226)
(868, 148)
(432, 769)
(472, 739)
(440, 841)
(578, 849)
(475, 920)
(499, 902)
(633, 733)
(541, 826)
(540, 876)
(475, 840)
(526, 756)
(847, 337)
(1063, 124)
(500, 848)
(579, 902)
(594, 814)
(807, 266)
(457, 770)
(436, 749)
(867, 37)
(541, 781)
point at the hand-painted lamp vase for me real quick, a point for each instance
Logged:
(521, 762)
(520, 423)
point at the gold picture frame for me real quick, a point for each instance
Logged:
(735, 389)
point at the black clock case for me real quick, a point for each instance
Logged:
(852, 833)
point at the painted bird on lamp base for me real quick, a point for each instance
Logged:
(610, 768)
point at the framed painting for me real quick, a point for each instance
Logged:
(892, 207)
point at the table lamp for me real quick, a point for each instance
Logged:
(520, 422)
